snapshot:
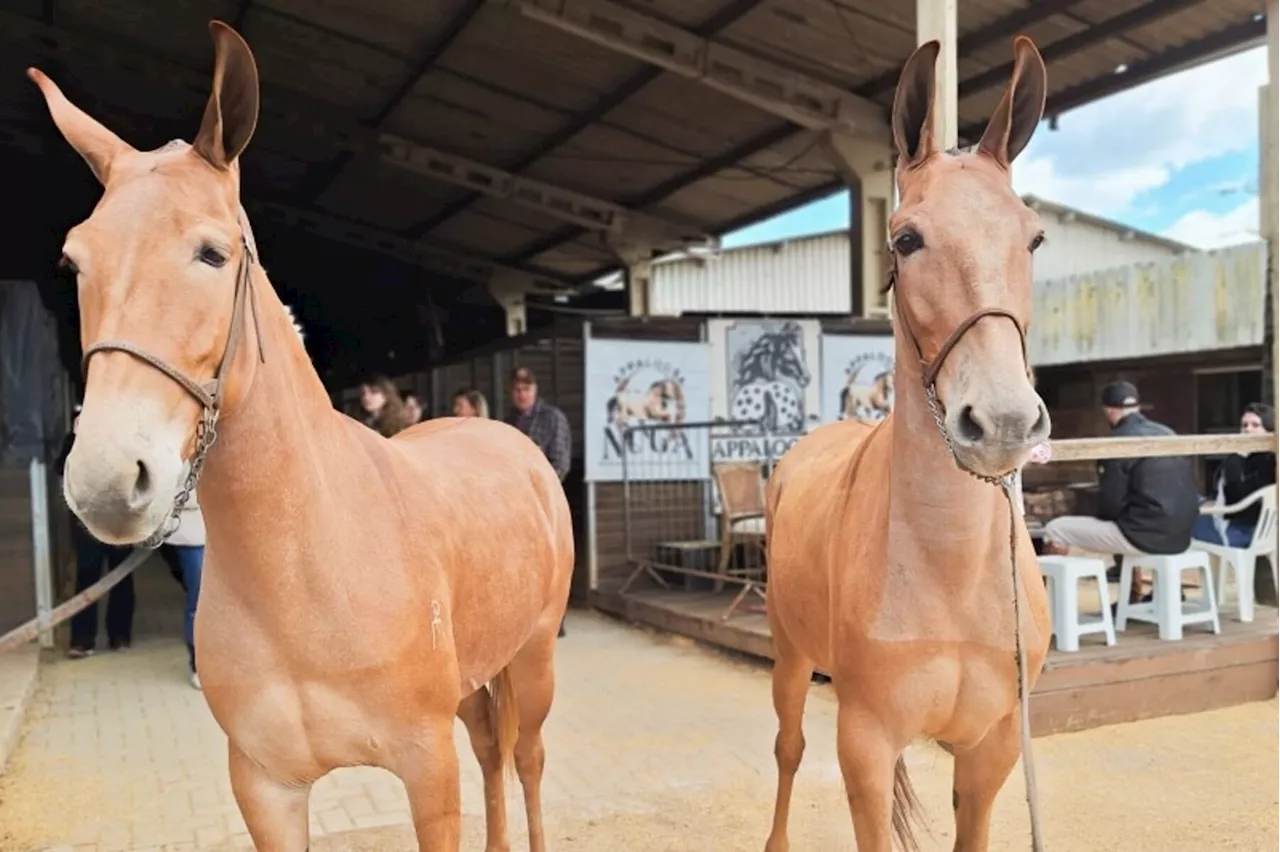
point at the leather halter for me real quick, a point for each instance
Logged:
(211, 393)
(929, 369)
(1007, 483)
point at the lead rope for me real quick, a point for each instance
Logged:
(1007, 483)
(1020, 657)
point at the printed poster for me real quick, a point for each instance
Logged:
(764, 377)
(857, 377)
(637, 395)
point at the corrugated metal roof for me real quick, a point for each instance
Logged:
(479, 80)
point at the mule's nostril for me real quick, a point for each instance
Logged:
(970, 429)
(1041, 425)
(141, 495)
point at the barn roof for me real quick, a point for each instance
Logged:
(468, 138)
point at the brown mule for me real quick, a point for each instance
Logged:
(889, 547)
(358, 592)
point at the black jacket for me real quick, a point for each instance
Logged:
(1153, 500)
(1243, 475)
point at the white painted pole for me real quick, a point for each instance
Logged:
(41, 562)
(937, 19)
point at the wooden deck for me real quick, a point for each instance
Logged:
(1139, 678)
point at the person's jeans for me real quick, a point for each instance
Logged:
(1238, 534)
(190, 564)
(90, 554)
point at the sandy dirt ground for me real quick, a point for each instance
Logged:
(653, 744)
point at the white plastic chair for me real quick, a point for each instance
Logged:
(1243, 561)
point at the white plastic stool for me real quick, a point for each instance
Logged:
(1166, 609)
(1064, 574)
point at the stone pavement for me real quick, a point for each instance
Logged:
(120, 753)
(653, 744)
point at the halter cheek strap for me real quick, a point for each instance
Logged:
(210, 393)
(929, 368)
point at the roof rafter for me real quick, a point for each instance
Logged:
(318, 120)
(602, 106)
(320, 179)
(797, 97)
(991, 33)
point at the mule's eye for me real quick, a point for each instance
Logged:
(212, 257)
(908, 242)
(1036, 242)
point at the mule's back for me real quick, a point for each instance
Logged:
(490, 514)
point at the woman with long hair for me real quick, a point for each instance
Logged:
(1239, 476)
(383, 408)
(469, 402)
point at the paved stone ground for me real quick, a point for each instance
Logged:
(653, 745)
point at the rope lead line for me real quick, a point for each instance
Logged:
(1020, 659)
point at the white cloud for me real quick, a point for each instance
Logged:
(1206, 230)
(1106, 154)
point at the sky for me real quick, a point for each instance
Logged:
(1177, 157)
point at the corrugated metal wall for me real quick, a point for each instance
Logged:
(807, 276)
(812, 275)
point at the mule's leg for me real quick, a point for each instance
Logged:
(274, 813)
(980, 772)
(867, 759)
(791, 675)
(474, 713)
(533, 677)
(428, 766)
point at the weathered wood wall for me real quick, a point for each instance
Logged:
(1193, 303)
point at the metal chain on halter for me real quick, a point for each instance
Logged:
(1006, 484)
(206, 434)
(208, 394)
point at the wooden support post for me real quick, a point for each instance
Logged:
(1269, 222)
(937, 19)
(868, 170)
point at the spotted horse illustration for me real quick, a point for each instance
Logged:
(770, 378)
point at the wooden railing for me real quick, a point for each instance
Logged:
(1087, 449)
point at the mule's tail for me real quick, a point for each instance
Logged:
(907, 813)
(504, 717)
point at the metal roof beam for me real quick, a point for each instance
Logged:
(798, 98)
(1095, 33)
(297, 111)
(450, 264)
(456, 265)
(1236, 37)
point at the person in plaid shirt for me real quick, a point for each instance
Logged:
(545, 424)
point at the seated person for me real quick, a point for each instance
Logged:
(1145, 505)
(1240, 476)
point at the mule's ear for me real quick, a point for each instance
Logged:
(1020, 110)
(95, 143)
(913, 106)
(232, 112)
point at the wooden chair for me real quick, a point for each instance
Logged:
(741, 489)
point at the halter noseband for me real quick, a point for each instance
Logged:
(210, 394)
(930, 369)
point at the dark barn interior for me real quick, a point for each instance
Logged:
(408, 154)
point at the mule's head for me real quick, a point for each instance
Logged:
(961, 243)
(157, 265)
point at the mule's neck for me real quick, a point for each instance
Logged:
(272, 439)
(936, 509)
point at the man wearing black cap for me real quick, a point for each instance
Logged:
(1145, 505)
(545, 424)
